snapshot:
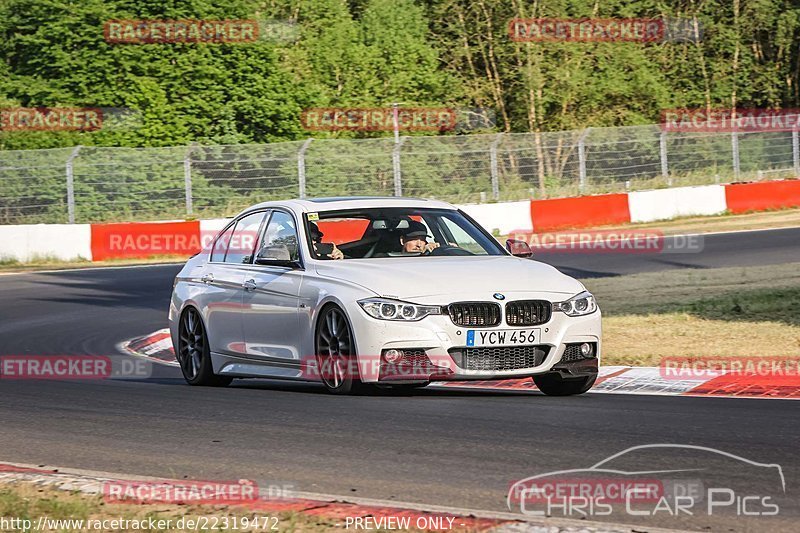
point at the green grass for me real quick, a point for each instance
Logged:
(760, 292)
(29, 502)
(741, 311)
(17, 502)
(777, 305)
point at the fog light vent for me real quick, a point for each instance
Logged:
(576, 352)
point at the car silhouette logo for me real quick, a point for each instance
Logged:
(498, 296)
(522, 490)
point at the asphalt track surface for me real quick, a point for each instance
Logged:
(454, 448)
(750, 248)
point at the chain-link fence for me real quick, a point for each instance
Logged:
(92, 184)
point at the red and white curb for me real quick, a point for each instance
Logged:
(612, 379)
(333, 508)
(156, 346)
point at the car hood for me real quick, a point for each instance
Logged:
(414, 277)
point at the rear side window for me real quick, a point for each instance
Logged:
(221, 245)
(244, 238)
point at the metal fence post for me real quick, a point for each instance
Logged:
(493, 167)
(187, 179)
(398, 180)
(71, 185)
(796, 151)
(662, 145)
(735, 151)
(301, 168)
(582, 159)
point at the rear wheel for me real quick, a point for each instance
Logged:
(194, 355)
(555, 385)
(336, 354)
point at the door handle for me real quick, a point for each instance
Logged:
(249, 285)
(208, 278)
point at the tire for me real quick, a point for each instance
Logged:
(194, 354)
(554, 385)
(334, 344)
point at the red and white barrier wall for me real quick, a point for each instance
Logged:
(99, 242)
(664, 204)
(640, 206)
(31, 242)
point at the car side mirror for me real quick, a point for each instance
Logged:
(277, 255)
(518, 248)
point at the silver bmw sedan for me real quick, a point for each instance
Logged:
(363, 292)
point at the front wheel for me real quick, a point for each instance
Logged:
(554, 385)
(336, 353)
(194, 354)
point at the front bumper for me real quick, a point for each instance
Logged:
(439, 338)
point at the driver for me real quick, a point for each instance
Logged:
(414, 240)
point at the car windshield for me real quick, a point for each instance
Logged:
(396, 232)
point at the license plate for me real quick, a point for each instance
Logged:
(503, 337)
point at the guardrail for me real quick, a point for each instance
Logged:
(97, 242)
(102, 184)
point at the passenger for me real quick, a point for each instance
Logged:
(323, 250)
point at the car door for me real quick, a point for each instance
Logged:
(224, 278)
(270, 312)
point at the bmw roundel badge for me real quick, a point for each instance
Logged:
(498, 296)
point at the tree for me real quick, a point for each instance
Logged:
(57, 56)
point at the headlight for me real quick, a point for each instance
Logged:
(582, 304)
(385, 309)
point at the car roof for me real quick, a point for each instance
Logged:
(312, 205)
